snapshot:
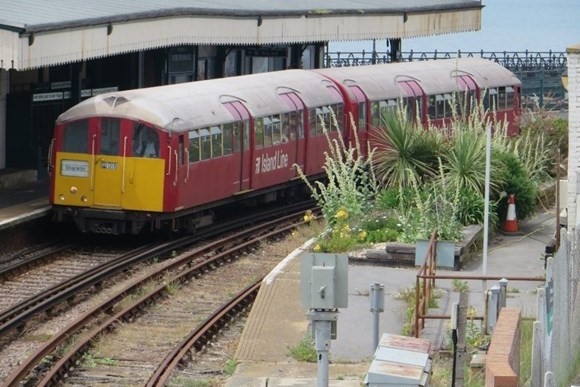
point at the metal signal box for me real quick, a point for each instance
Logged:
(324, 281)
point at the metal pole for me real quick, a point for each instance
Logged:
(322, 344)
(486, 209)
(502, 293)
(377, 300)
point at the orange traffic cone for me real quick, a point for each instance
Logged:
(511, 221)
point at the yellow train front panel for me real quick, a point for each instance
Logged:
(109, 182)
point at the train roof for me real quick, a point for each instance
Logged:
(200, 104)
(434, 76)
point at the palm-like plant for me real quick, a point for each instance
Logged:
(464, 160)
(404, 152)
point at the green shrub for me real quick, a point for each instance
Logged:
(518, 183)
(472, 209)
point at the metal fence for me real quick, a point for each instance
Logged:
(540, 72)
(556, 339)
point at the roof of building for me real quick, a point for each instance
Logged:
(47, 32)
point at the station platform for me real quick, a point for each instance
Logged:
(22, 202)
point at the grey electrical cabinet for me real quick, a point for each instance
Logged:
(324, 281)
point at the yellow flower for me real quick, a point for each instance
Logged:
(309, 216)
(341, 214)
(317, 248)
(362, 236)
(471, 312)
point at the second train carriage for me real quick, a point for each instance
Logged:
(427, 89)
(165, 157)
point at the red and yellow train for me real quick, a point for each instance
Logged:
(166, 157)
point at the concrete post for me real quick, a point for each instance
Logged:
(377, 300)
(461, 338)
(492, 308)
(503, 283)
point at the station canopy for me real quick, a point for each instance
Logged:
(39, 33)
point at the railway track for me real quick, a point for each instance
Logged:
(212, 255)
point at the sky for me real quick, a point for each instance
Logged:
(507, 25)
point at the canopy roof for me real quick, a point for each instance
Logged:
(38, 33)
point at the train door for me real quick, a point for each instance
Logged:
(108, 165)
(296, 128)
(467, 97)
(361, 124)
(413, 100)
(180, 159)
(241, 140)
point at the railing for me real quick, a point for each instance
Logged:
(425, 286)
(540, 72)
(514, 60)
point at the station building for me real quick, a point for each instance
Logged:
(55, 53)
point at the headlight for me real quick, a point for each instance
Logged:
(73, 190)
(61, 197)
(84, 199)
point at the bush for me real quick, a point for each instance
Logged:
(472, 209)
(518, 183)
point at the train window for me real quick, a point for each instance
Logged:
(145, 141)
(323, 120)
(300, 124)
(180, 151)
(110, 130)
(362, 116)
(276, 129)
(205, 144)
(381, 108)
(510, 97)
(237, 136)
(268, 129)
(193, 146)
(216, 141)
(227, 138)
(259, 133)
(442, 105)
(339, 115)
(432, 107)
(490, 99)
(286, 127)
(501, 98)
(76, 137)
(312, 118)
(246, 132)
(462, 102)
(295, 124)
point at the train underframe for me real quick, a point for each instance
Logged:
(119, 222)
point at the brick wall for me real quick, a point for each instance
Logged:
(502, 363)
(573, 132)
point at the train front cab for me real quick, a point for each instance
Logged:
(107, 174)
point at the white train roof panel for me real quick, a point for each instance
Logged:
(434, 76)
(199, 104)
